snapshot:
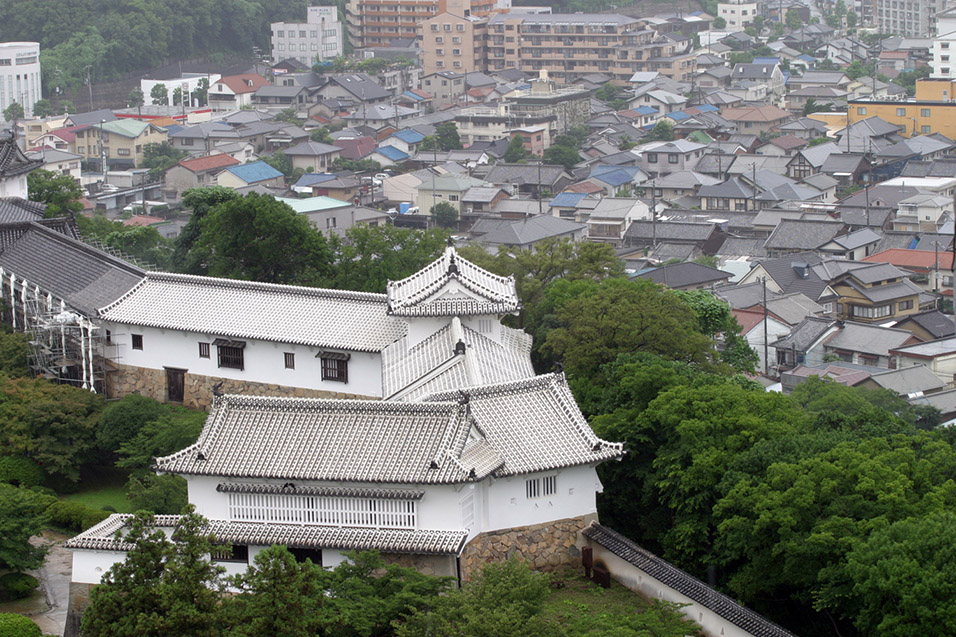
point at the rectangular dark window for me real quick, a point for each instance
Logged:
(204, 350)
(137, 341)
(302, 555)
(230, 353)
(233, 553)
(289, 360)
(335, 366)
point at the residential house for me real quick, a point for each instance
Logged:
(388, 155)
(482, 199)
(313, 156)
(792, 236)
(445, 87)
(939, 356)
(929, 269)
(832, 79)
(257, 173)
(196, 173)
(756, 120)
(803, 345)
(525, 233)
(754, 325)
(732, 194)
(279, 98)
(863, 344)
(661, 158)
(686, 276)
(528, 179)
(804, 128)
(232, 92)
(706, 237)
(929, 325)
(809, 161)
(853, 245)
(610, 219)
(922, 212)
(121, 142)
(764, 73)
(449, 188)
(59, 161)
(355, 87)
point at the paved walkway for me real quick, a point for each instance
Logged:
(54, 578)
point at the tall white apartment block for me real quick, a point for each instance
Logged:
(20, 75)
(318, 38)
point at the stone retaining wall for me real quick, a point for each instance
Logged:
(543, 546)
(198, 389)
(438, 565)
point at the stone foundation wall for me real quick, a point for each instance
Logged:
(439, 565)
(79, 600)
(198, 389)
(543, 546)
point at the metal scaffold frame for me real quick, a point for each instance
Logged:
(65, 346)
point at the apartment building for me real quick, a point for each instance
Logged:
(20, 75)
(932, 110)
(910, 19)
(738, 15)
(454, 43)
(495, 121)
(568, 46)
(318, 38)
(375, 23)
(944, 46)
(121, 142)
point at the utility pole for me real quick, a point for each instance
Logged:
(539, 186)
(753, 189)
(766, 345)
(103, 147)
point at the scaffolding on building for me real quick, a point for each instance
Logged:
(65, 346)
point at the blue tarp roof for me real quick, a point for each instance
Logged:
(409, 136)
(678, 116)
(807, 58)
(614, 177)
(417, 98)
(767, 60)
(567, 199)
(645, 110)
(255, 172)
(391, 153)
(706, 108)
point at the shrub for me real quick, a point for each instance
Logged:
(13, 625)
(17, 585)
(20, 471)
(122, 420)
(74, 515)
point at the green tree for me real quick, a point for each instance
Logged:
(322, 136)
(793, 19)
(53, 425)
(288, 115)
(159, 94)
(60, 193)
(12, 112)
(122, 420)
(199, 201)
(851, 19)
(607, 92)
(565, 156)
(136, 98)
(369, 257)
(43, 108)
(14, 354)
(257, 238)
(715, 319)
(597, 321)
(160, 435)
(505, 599)
(515, 152)
(663, 131)
(164, 494)
(21, 517)
(13, 625)
(448, 139)
(444, 214)
(66, 106)
(202, 91)
(160, 157)
(162, 588)
(281, 162)
(812, 106)
(719, 23)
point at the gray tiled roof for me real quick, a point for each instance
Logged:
(524, 174)
(799, 234)
(743, 296)
(410, 296)
(420, 541)
(525, 232)
(505, 429)
(670, 231)
(805, 334)
(909, 380)
(868, 339)
(16, 210)
(939, 325)
(665, 572)
(679, 275)
(12, 160)
(81, 275)
(784, 274)
(241, 309)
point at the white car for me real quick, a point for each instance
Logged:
(380, 177)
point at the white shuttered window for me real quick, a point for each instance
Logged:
(376, 513)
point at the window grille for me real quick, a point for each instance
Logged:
(230, 353)
(137, 341)
(541, 487)
(335, 366)
(204, 350)
(290, 360)
(376, 513)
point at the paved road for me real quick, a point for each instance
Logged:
(54, 578)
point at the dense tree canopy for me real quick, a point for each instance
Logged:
(60, 193)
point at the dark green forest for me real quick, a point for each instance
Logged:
(109, 38)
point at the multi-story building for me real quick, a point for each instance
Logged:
(944, 45)
(568, 46)
(454, 43)
(932, 110)
(738, 14)
(318, 38)
(375, 23)
(20, 75)
(120, 142)
(910, 19)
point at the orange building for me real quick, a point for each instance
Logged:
(932, 110)
(374, 23)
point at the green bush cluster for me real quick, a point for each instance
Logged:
(13, 625)
(17, 586)
(73, 515)
(20, 471)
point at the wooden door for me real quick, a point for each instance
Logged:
(175, 384)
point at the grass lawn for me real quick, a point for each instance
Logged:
(106, 488)
(587, 609)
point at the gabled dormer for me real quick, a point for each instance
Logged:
(448, 287)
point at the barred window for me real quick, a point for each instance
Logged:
(137, 341)
(230, 353)
(335, 366)
(204, 350)
(289, 360)
(541, 487)
(233, 553)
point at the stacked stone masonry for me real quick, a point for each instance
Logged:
(198, 389)
(543, 546)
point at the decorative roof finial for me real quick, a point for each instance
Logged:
(463, 397)
(451, 241)
(217, 389)
(452, 265)
(460, 348)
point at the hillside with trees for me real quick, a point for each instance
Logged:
(108, 38)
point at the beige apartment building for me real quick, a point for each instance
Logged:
(122, 142)
(454, 43)
(568, 46)
(375, 23)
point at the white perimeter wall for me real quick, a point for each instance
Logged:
(264, 361)
(506, 505)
